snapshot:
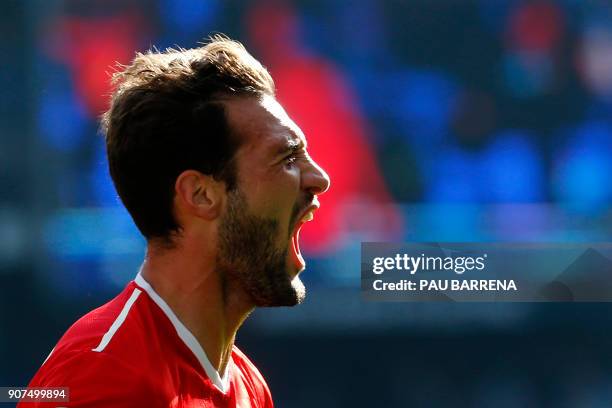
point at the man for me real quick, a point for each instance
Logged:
(217, 178)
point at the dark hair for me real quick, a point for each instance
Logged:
(167, 115)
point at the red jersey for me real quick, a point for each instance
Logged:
(135, 352)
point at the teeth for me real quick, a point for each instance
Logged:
(308, 217)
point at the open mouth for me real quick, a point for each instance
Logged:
(295, 239)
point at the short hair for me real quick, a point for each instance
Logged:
(167, 115)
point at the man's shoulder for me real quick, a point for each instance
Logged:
(96, 329)
(118, 332)
(106, 355)
(97, 380)
(82, 367)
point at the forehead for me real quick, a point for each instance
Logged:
(262, 124)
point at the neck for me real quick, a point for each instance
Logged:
(186, 278)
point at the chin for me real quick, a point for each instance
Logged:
(290, 293)
(299, 289)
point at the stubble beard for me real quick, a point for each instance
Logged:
(248, 256)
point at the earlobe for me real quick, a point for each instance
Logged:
(198, 194)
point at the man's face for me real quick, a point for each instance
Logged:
(278, 184)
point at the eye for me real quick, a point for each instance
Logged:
(290, 160)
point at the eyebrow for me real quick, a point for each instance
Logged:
(291, 145)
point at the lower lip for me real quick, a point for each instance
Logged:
(298, 260)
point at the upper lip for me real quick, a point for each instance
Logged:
(312, 207)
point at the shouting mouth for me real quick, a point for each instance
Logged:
(307, 216)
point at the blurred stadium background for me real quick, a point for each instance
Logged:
(446, 120)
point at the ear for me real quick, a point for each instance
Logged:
(199, 194)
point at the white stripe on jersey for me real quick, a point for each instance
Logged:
(118, 322)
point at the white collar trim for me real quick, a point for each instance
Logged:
(222, 383)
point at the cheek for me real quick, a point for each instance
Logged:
(277, 190)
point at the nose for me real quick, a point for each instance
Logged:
(315, 179)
